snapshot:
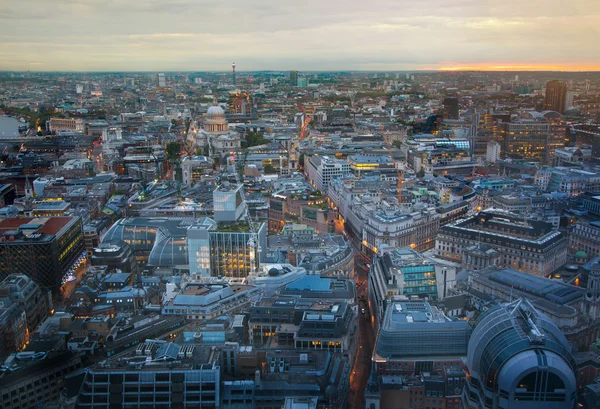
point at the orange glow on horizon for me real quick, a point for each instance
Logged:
(515, 67)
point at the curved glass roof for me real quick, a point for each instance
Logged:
(168, 251)
(164, 238)
(504, 331)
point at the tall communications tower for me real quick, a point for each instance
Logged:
(233, 68)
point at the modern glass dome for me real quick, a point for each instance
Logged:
(168, 251)
(509, 344)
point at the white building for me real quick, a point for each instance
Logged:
(322, 169)
(228, 203)
(493, 152)
(161, 81)
(194, 167)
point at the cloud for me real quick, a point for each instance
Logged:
(308, 35)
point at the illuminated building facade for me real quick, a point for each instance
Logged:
(556, 95)
(47, 250)
(526, 139)
(66, 124)
(360, 163)
(531, 246)
(308, 314)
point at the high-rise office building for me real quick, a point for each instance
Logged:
(302, 83)
(228, 203)
(517, 358)
(223, 249)
(294, 78)
(527, 139)
(556, 95)
(161, 81)
(47, 250)
(451, 107)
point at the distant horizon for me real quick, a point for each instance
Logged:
(417, 71)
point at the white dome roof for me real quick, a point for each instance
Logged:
(215, 112)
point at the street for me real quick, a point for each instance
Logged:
(366, 339)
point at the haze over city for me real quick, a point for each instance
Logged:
(180, 35)
(251, 204)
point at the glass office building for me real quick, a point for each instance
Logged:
(518, 358)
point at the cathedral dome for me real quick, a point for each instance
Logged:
(215, 113)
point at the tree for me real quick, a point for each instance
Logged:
(255, 139)
(421, 172)
(173, 151)
(269, 169)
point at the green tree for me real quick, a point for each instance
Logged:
(421, 172)
(269, 169)
(255, 139)
(173, 151)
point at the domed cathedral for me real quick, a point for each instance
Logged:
(215, 121)
(215, 133)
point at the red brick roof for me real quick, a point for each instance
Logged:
(52, 225)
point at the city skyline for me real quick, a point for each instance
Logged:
(89, 35)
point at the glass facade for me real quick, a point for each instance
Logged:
(420, 280)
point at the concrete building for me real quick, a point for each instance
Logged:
(163, 375)
(194, 168)
(31, 379)
(531, 246)
(529, 139)
(114, 255)
(22, 290)
(312, 313)
(575, 310)
(517, 358)
(556, 96)
(585, 237)
(405, 272)
(58, 125)
(493, 152)
(321, 170)
(385, 225)
(572, 182)
(161, 81)
(206, 300)
(440, 343)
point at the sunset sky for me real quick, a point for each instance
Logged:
(198, 35)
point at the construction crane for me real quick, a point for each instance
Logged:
(399, 173)
(254, 242)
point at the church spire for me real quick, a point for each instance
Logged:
(28, 189)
